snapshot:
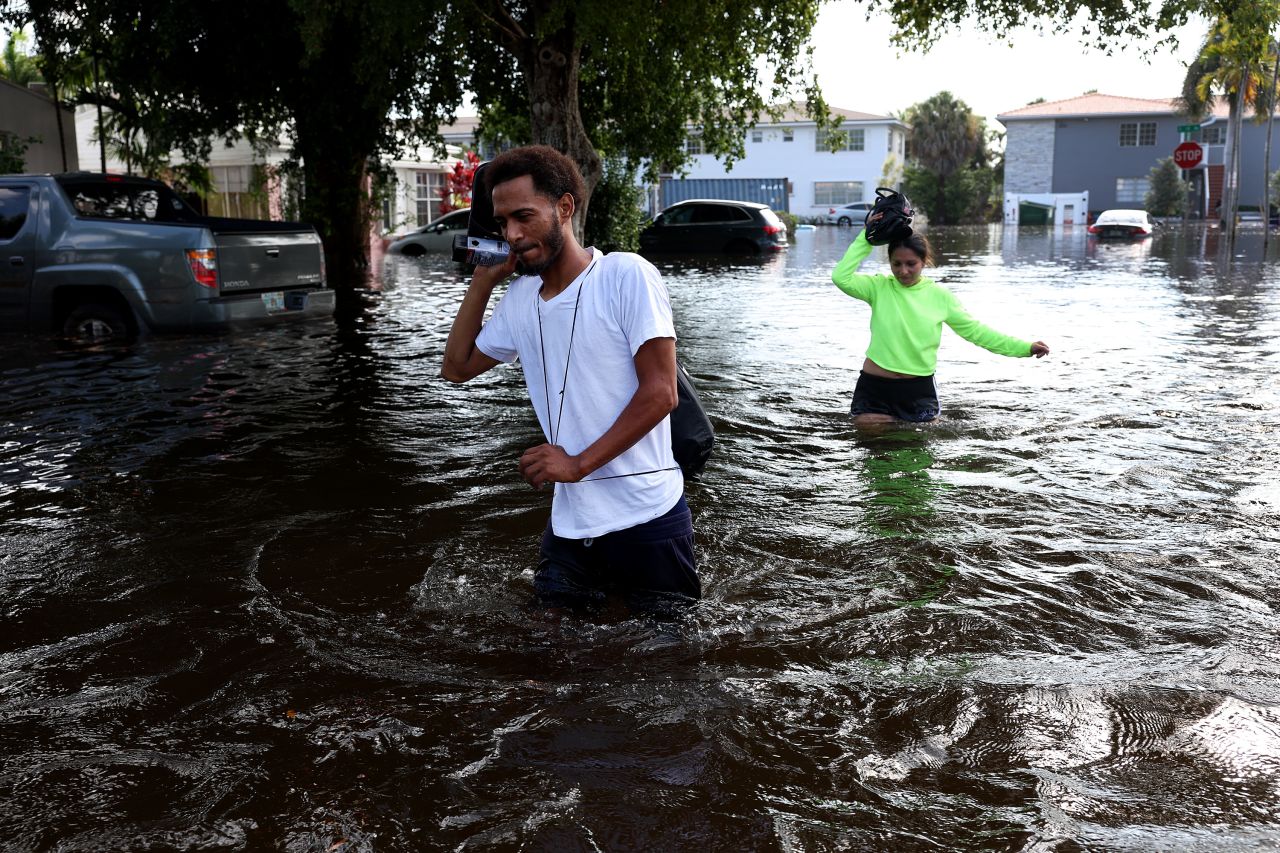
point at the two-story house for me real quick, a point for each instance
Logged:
(871, 152)
(1107, 145)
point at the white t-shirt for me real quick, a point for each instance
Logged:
(621, 303)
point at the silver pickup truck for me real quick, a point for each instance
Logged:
(90, 255)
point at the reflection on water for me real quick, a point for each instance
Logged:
(269, 590)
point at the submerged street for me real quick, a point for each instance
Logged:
(269, 590)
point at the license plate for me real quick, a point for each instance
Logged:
(273, 301)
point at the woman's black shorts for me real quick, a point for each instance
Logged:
(914, 400)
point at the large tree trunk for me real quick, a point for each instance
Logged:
(62, 134)
(336, 201)
(550, 70)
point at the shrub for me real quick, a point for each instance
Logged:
(790, 220)
(1168, 193)
(614, 216)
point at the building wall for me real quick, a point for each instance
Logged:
(1088, 156)
(1029, 153)
(803, 165)
(26, 114)
(1252, 149)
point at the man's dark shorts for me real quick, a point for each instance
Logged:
(651, 565)
(914, 400)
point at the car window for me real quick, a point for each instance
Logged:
(105, 198)
(457, 221)
(770, 216)
(14, 205)
(679, 215)
(719, 213)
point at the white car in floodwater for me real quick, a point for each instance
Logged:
(435, 236)
(1122, 225)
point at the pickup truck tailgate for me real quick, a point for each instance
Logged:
(250, 263)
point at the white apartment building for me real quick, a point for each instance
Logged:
(872, 155)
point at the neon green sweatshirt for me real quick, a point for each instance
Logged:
(906, 322)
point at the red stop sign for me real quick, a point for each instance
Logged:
(1188, 155)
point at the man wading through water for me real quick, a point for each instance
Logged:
(595, 340)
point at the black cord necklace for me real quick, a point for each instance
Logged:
(564, 383)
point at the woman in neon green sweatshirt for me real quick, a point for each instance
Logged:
(907, 313)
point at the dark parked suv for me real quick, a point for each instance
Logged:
(713, 225)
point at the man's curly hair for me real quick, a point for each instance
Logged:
(553, 173)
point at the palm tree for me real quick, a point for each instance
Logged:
(945, 137)
(16, 65)
(1232, 65)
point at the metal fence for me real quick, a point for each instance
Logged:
(770, 191)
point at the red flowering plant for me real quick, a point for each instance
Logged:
(456, 192)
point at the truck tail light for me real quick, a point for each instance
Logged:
(204, 266)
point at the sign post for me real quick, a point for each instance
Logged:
(1188, 155)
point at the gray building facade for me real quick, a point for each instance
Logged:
(29, 114)
(1108, 145)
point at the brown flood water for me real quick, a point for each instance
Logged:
(268, 590)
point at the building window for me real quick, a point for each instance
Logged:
(757, 136)
(1216, 135)
(237, 194)
(1131, 190)
(427, 187)
(851, 140)
(836, 192)
(788, 135)
(1135, 133)
(693, 145)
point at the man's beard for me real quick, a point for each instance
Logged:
(552, 244)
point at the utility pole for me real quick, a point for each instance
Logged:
(1266, 157)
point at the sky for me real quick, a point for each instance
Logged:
(859, 69)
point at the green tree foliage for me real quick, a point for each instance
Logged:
(1168, 193)
(626, 78)
(950, 174)
(615, 218)
(1235, 62)
(13, 152)
(1108, 23)
(966, 198)
(17, 65)
(346, 80)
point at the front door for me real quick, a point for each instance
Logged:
(17, 253)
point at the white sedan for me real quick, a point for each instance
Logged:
(435, 236)
(849, 214)
(1122, 224)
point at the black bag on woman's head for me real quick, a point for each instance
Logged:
(692, 435)
(890, 218)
